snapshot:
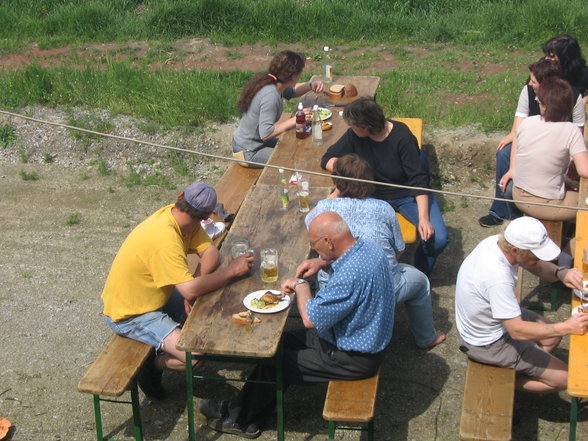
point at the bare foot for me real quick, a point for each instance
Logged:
(438, 340)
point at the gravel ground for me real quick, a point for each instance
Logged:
(53, 273)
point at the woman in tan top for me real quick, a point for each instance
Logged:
(547, 144)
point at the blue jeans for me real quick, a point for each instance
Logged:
(427, 251)
(153, 327)
(415, 293)
(260, 155)
(500, 209)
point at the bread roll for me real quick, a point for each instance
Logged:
(350, 90)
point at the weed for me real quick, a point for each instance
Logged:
(73, 219)
(84, 176)
(7, 135)
(464, 203)
(233, 55)
(177, 162)
(89, 122)
(26, 275)
(47, 158)
(133, 178)
(159, 179)
(30, 176)
(474, 177)
(449, 206)
(103, 169)
(23, 156)
(110, 190)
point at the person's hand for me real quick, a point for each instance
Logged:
(241, 265)
(577, 323)
(309, 268)
(288, 285)
(316, 86)
(426, 230)
(572, 278)
(505, 141)
(505, 180)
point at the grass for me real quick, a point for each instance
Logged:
(455, 33)
(28, 176)
(7, 136)
(47, 158)
(73, 219)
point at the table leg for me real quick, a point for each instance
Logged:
(190, 397)
(573, 418)
(280, 393)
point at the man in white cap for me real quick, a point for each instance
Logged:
(150, 281)
(493, 328)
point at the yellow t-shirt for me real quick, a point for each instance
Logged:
(149, 263)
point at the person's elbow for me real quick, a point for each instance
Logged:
(516, 328)
(307, 323)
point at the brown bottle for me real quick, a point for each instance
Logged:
(300, 122)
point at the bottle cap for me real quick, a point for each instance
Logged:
(315, 107)
(300, 106)
(326, 48)
(281, 170)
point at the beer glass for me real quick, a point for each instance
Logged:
(269, 265)
(303, 192)
(239, 247)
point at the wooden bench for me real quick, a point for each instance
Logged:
(488, 398)
(409, 233)
(351, 402)
(113, 373)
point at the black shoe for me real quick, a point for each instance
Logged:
(149, 379)
(490, 221)
(227, 426)
(214, 408)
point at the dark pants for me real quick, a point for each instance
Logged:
(307, 359)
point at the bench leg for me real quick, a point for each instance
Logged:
(138, 428)
(280, 393)
(573, 418)
(98, 418)
(190, 397)
(332, 428)
(370, 429)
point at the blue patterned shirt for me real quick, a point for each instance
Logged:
(355, 311)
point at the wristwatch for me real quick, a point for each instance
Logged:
(559, 268)
(299, 282)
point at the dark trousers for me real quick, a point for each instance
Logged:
(307, 359)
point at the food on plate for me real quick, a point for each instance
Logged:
(350, 90)
(270, 298)
(327, 125)
(324, 113)
(244, 318)
(336, 91)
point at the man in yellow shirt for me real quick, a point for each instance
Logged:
(150, 281)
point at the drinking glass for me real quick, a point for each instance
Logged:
(239, 247)
(303, 192)
(269, 265)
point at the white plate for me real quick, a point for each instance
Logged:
(325, 113)
(578, 292)
(284, 303)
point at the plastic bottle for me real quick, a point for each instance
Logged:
(284, 195)
(327, 66)
(317, 127)
(300, 122)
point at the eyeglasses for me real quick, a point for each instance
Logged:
(312, 243)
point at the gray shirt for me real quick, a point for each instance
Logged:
(259, 120)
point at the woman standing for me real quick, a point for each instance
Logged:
(261, 107)
(393, 153)
(545, 145)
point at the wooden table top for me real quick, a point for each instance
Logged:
(578, 358)
(208, 328)
(366, 86)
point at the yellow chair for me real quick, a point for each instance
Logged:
(409, 233)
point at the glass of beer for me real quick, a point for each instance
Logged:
(585, 272)
(303, 192)
(269, 265)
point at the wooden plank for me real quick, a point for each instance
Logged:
(351, 401)
(116, 366)
(488, 403)
(578, 355)
(260, 220)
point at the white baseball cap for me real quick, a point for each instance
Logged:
(528, 233)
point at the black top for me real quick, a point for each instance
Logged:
(394, 160)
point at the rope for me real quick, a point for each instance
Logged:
(263, 165)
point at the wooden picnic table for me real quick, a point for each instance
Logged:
(259, 219)
(578, 355)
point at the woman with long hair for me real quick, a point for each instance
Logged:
(546, 145)
(566, 51)
(261, 106)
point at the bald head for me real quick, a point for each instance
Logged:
(334, 229)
